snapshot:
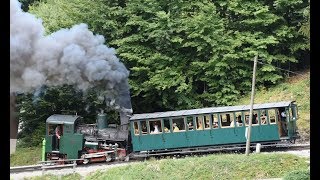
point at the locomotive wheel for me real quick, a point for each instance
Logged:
(85, 161)
(108, 159)
(127, 158)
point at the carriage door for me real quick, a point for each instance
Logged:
(291, 120)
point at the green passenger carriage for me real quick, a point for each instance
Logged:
(213, 126)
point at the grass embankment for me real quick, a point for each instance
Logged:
(294, 88)
(217, 166)
(26, 156)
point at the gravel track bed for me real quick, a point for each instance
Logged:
(86, 170)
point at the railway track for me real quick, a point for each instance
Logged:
(52, 165)
(40, 167)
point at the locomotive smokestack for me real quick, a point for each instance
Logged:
(102, 121)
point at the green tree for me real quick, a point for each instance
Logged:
(305, 27)
(26, 3)
(187, 54)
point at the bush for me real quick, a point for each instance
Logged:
(297, 175)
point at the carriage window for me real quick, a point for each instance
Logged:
(166, 125)
(155, 126)
(199, 122)
(207, 121)
(226, 120)
(255, 118)
(51, 128)
(272, 116)
(239, 119)
(143, 127)
(136, 128)
(178, 124)
(263, 117)
(190, 123)
(215, 121)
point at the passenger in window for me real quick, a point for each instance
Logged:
(175, 127)
(239, 119)
(215, 124)
(283, 116)
(247, 119)
(200, 125)
(190, 126)
(283, 122)
(58, 135)
(144, 128)
(232, 123)
(166, 129)
(156, 129)
(136, 131)
(255, 119)
(263, 119)
(207, 123)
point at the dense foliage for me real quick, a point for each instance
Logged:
(189, 54)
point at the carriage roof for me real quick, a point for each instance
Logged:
(209, 110)
(62, 119)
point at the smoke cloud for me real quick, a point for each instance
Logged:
(72, 56)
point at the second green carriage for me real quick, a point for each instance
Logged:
(214, 126)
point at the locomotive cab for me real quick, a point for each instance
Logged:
(70, 142)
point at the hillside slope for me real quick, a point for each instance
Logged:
(293, 88)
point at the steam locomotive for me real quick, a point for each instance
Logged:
(86, 142)
(171, 132)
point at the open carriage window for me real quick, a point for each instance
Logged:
(215, 123)
(51, 129)
(226, 120)
(143, 127)
(166, 125)
(272, 116)
(136, 128)
(263, 117)
(238, 118)
(155, 126)
(178, 124)
(207, 120)
(190, 123)
(199, 122)
(255, 118)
